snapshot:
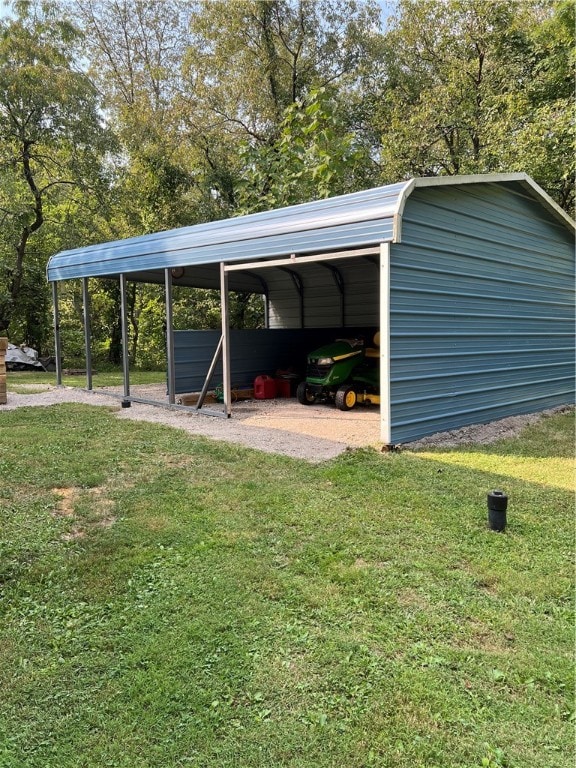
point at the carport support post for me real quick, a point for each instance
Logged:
(385, 409)
(224, 303)
(125, 350)
(87, 331)
(57, 342)
(170, 338)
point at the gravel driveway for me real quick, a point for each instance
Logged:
(314, 433)
(275, 426)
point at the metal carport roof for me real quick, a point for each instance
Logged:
(335, 224)
(364, 218)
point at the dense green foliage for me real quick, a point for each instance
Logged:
(122, 117)
(174, 601)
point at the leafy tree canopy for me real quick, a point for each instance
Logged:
(121, 117)
(52, 141)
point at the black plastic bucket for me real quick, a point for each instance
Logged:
(497, 505)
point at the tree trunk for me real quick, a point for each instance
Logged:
(115, 348)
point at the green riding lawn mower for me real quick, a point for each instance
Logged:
(345, 372)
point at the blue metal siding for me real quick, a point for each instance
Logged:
(284, 306)
(322, 302)
(482, 310)
(362, 281)
(251, 353)
(321, 298)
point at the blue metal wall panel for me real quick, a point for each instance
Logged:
(251, 353)
(284, 302)
(482, 310)
(322, 303)
(362, 285)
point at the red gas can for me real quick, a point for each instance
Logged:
(264, 387)
(282, 387)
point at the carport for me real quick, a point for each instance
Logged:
(308, 248)
(453, 271)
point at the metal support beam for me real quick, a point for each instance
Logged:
(164, 404)
(57, 342)
(260, 279)
(385, 407)
(170, 365)
(339, 280)
(299, 285)
(210, 373)
(294, 260)
(87, 332)
(125, 349)
(224, 303)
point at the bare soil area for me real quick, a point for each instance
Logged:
(314, 433)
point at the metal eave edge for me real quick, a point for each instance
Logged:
(399, 210)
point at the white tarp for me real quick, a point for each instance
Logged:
(22, 357)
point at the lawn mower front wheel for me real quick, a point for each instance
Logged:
(304, 395)
(345, 398)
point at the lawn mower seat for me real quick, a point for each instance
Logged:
(374, 351)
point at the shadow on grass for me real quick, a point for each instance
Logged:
(543, 454)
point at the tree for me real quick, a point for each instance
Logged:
(135, 50)
(51, 142)
(164, 91)
(465, 90)
(545, 139)
(313, 157)
(251, 60)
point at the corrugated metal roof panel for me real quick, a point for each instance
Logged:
(361, 218)
(348, 221)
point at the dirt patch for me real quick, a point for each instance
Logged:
(100, 513)
(411, 599)
(480, 635)
(65, 504)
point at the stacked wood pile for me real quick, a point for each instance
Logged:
(3, 348)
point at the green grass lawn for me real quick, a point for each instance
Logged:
(172, 601)
(25, 381)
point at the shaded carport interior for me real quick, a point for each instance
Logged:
(317, 265)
